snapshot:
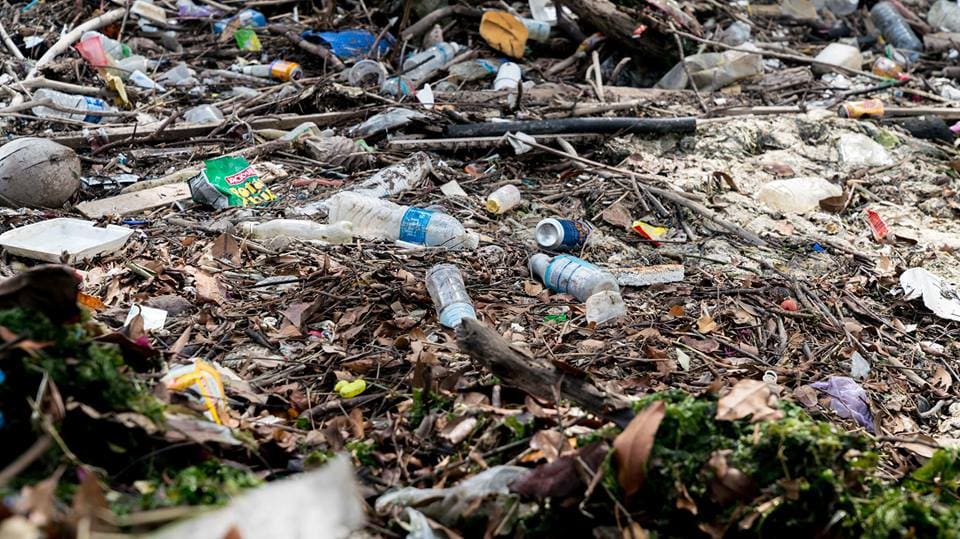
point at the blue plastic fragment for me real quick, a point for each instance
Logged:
(817, 248)
(351, 44)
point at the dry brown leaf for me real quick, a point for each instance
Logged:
(550, 443)
(706, 324)
(89, 501)
(532, 288)
(748, 398)
(208, 287)
(618, 216)
(226, 247)
(706, 346)
(942, 379)
(806, 396)
(677, 311)
(631, 448)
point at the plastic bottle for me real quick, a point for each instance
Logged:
(396, 178)
(944, 14)
(571, 275)
(536, 30)
(114, 48)
(543, 10)
(562, 234)
(894, 28)
(508, 77)
(872, 108)
(472, 70)
(838, 54)
(203, 114)
(91, 106)
(249, 18)
(842, 8)
(375, 218)
(420, 67)
(886, 67)
(504, 199)
(736, 34)
(449, 295)
(365, 70)
(278, 69)
(338, 232)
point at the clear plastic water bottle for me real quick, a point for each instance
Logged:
(396, 178)
(90, 105)
(503, 199)
(842, 8)
(571, 275)
(249, 18)
(449, 295)
(944, 14)
(472, 70)
(543, 10)
(420, 67)
(375, 218)
(337, 232)
(894, 28)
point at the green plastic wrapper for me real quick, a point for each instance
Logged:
(230, 182)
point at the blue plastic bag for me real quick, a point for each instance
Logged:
(351, 44)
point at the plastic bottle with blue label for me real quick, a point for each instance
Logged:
(249, 18)
(449, 295)
(375, 218)
(571, 275)
(562, 234)
(87, 106)
(420, 67)
(472, 70)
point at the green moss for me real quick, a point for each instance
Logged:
(362, 451)
(210, 483)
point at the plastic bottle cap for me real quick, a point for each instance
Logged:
(493, 205)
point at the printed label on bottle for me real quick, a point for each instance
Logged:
(562, 270)
(94, 104)
(413, 226)
(574, 233)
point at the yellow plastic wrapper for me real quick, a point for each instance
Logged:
(350, 389)
(202, 384)
(504, 32)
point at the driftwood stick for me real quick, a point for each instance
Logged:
(9, 43)
(536, 376)
(427, 22)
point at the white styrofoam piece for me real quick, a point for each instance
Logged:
(153, 319)
(79, 239)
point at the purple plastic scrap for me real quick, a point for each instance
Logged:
(848, 399)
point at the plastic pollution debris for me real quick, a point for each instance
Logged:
(248, 18)
(472, 70)
(348, 389)
(712, 71)
(842, 8)
(736, 34)
(202, 384)
(153, 319)
(859, 150)
(544, 11)
(859, 366)
(797, 195)
(88, 107)
(114, 48)
(396, 178)
(37, 173)
(420, 67)
(448, 505)
(878, 227)
(64, 240)
(649, 275)
(180, 75)
(944, 15)
(139, 78)
(571, 275)
(352, 44)
(885, 67)
(149, 11)
(229, 181)
(247, 40)
(449, 295)
(504, 32)
(374, 218)
(203, 114)
(366, 70)
(425, 96)
(651, 232)
(334, 233)
(508, 77)
(938, 295)
(278, 69)
(838, 54)
(562, 234)
(187, 9)
(503, 199)
(385, 121)
(604, 306)
(866, 108)
(848, 399)
(894, 28)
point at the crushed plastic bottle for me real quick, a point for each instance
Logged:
(894, 28)
(396, 178)
(249, 18)
(472, 70)
(736, 34)
(420, 67)
(88, 106)
(562, 234)
(503, 199)
(945, 15)
(543, 10)
(797, 195)
(375, 218)
(203, 114)
(278, 69)
(449, 295)
(571, 275)
(335, 233)
(842, 8)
